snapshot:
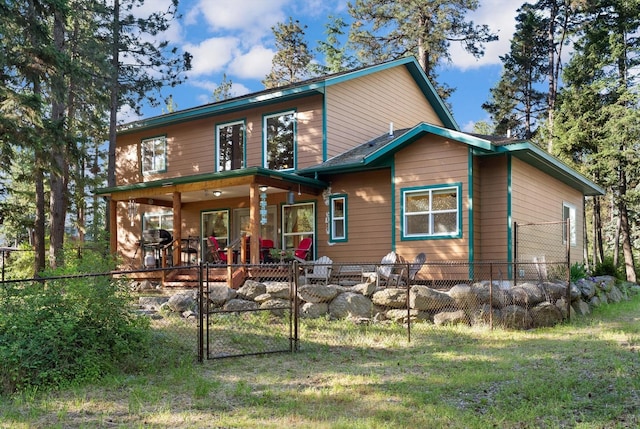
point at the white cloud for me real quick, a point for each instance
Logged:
(499, 15)
(253, 18)
(254, 64)
(211, 55)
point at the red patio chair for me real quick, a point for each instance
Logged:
(218, 255)
(303, 251)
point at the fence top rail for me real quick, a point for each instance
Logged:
(558, 222)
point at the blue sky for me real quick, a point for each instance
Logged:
(235, 37)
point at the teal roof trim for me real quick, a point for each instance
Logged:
(251, 171)
(291, 92)
(537, 157)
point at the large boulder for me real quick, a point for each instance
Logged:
(250, 289)
(527, 294)
(614, 294)
(151, 302)
(219, 294)
(605, 283)
(555, 291)
(402, 315)
(366, 289)
(240, 305)
(181, 302)
(425, 298)
(352, 305)
(312, 310)
(458, 317)
(464, 296)
(580, 307)
(485, 315)
(515, 317)
(278, 289)
(495, 295)
(545, 314)
(278, 306)
(391, 297)
(317, 293)
(587, 288)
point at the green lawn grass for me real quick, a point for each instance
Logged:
(585, 374)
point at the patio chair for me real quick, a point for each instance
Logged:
(320, 269)
(386, 273)
(265, 250)
(217, 255)
(416, 265)
(303, 251)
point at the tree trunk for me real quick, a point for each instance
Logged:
(39, 221)
(598, 251)
(625, 229)
(59, 178)
(113, 108)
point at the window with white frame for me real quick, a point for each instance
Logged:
(153, 152)
(158, 220)
(298, 222)
(569, 215)
(279, 140)
(338, 217)
(431, 212)
(230, 153)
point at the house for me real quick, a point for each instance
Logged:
(362, 162)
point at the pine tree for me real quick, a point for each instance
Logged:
(291, 61)
(385, 30)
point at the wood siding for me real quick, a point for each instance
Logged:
(492, 192)
(539, 198)
(361, 109)
(427, 162)
(369, 217)
(191, 145)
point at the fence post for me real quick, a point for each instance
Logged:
(515, 253)
(491, 295)
(568, 238)
(293, 276)
(200, 314)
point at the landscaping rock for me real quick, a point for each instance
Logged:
(545, 314)
(278, 307)
(351, 305)
(515, 317)
(391, 297)
(614, 294)
(317, 293)
(527, 294)
(451, 318)
(151, 302)
(278, 289)
(251, 289)
(402, 316)
(464, 296)
(496, 296)
(219, 294)
(425, 298)
(366, 289)
(311, 310)
(581, 308)
(240, 305)
(181, 302)
(587, 287)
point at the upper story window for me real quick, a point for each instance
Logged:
(338, 216)
(432, 212)
(230, 153)
(153, 152)
(279, 140)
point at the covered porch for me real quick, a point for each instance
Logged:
(247, 200)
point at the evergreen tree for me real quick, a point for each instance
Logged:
(388, 29)
(291, 61)
(516, 103)
(223, 90)
(337, 57)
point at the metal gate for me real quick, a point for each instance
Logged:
(258, 318)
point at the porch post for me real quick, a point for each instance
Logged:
(254, 219)
(113, 226)
(177, 228)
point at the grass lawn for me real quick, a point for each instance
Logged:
(582, 375)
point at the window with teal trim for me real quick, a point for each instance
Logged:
(154, 155)
(338, 218)
(279, 141)
(431, 212)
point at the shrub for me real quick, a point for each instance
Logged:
(67, 329)
(607, 268)
(578, 272)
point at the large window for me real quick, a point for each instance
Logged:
(279, 141)
(298, 222)
(338, 218)
(230, 146)
(216, 223)
(569, 214)
(242, 223)
(431, 212)
(153, 152)
(158, 220)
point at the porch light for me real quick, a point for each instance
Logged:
(263, 188)
(290, 197)
(217, 193)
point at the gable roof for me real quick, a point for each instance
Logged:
(379, 151)
(296, 90)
